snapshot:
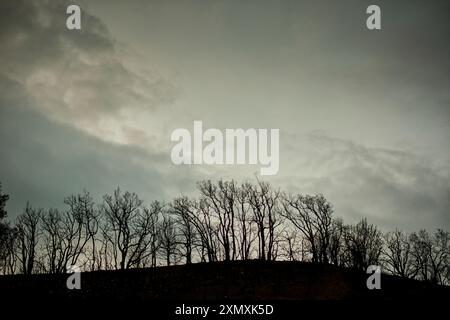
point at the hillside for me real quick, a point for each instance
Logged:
(248, 281)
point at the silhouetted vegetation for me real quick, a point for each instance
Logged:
(227, 221)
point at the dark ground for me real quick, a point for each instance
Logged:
(287, 285)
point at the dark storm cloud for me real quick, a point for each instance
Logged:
(75, 77)
(55, 86)
(34, 34)
(43, 161)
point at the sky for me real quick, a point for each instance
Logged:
(364, 115)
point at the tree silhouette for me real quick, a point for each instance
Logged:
(5, 232)
(28, 234)
(182, 208)
(227, 221)
(264, 203)
(168, 240)
(312, 216)
(398, 253)
(364, 244)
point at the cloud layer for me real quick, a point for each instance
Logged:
(363, 117)
(75, 77)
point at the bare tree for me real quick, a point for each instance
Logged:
(364, 244)
(81, 223)
(292, 245)
(5, 234)
(312, 215)
(203, 221)
(264, 204)
(246, 234)
(168, 240)
(440, 256)
(336, 248)
(153, 230)
(28, 231)
(226, 222)
(66, 234)
(53, 242)
(144, 234)
(89, 217)
(10, 247)
(182, 208)
(219, 201)
(129, 231)
(120, 212)
(421, 248)
(398, 255)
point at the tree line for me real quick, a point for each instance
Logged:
(226, 221)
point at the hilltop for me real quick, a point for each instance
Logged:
(251, 280)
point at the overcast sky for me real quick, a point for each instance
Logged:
(364, 116)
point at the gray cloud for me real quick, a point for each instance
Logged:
(68, 98)
(392, 188)
(75, 77)
(43, 161)
(57, 88)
